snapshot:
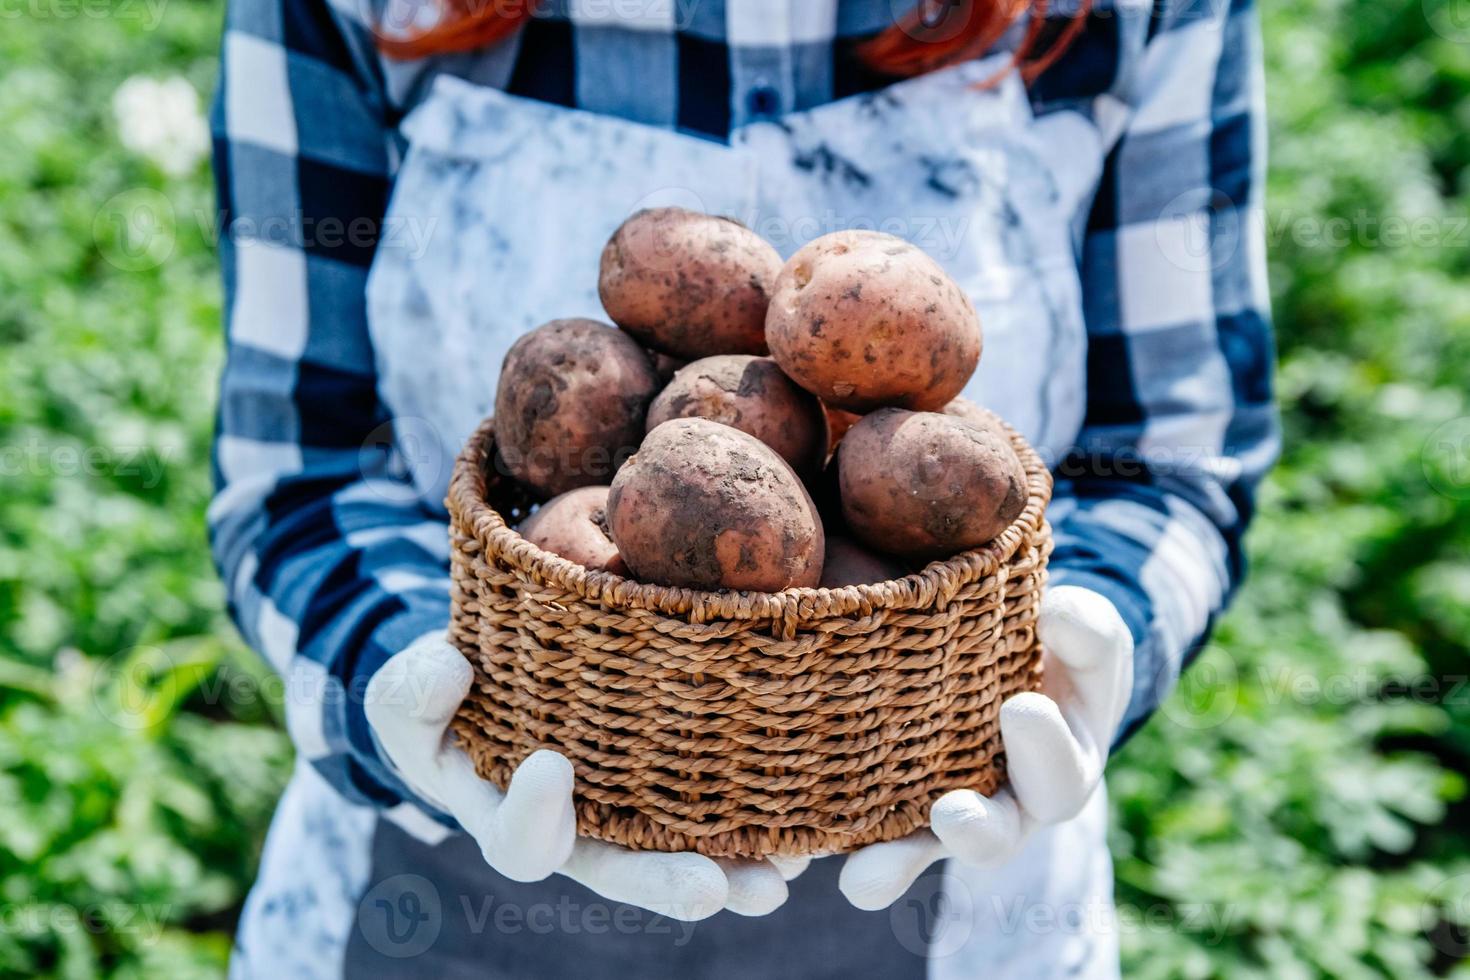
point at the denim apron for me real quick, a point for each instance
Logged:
(517, 198)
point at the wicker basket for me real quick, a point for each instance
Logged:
(734, 723)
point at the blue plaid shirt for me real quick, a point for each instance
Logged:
(328, 575)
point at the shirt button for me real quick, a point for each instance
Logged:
(763, 101)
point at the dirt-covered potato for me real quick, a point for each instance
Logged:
(574, 525)
(849, 563)
(926, 485)
(865, 320)
(706, 506)
(750, 394)
(571, 405)
(689, 284)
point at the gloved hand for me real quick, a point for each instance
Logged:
(529, 831)
(1056, 745)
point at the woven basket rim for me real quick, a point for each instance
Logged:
(939, 580)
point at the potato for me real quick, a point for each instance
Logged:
(574, 525)
(865, 320)
(705, 506)
(925, 485)
(689, 284)
(849, 563)
(571, 405)
(750, 394)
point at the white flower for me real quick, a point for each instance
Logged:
(160, 119)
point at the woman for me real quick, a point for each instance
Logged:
(410, 186)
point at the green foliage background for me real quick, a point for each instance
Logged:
(1296, 811)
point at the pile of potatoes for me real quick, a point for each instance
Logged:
(696, 443)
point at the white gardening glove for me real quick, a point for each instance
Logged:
(1056, 745)
(529, 831)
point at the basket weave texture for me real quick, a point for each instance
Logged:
(740, 724)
